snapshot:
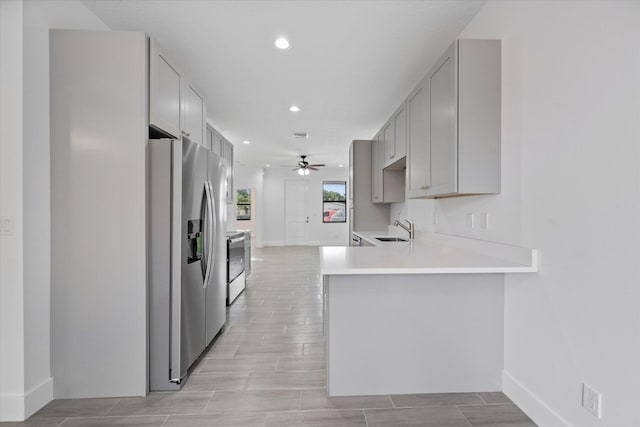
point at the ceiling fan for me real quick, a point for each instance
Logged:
(304, 168)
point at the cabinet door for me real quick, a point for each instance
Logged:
(216, 146)
(400, 132)
(388, 143)
(193, 112)
(418, 148)
(227, 155)
(209, 143)
(442, 119)
(164, 93)
(376, 170)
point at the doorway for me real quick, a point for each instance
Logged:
(296, 219)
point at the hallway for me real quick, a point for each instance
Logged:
(268, 368)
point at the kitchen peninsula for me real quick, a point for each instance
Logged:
(423, 316)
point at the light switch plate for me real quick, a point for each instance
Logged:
(6, 226)
(592, 401)
(484, 220)
(469, 220)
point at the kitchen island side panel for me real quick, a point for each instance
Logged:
(397, 334)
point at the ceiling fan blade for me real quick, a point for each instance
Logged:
(318, 165)
(312, 168)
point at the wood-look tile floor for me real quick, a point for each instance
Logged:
(268, 369)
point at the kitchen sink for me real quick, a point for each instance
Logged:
(391, 239)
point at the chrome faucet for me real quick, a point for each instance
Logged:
(410, 229)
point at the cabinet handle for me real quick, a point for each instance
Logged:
(393, 157)
(425, 187)
(187, 134)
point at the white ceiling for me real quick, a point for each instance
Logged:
(350, 64)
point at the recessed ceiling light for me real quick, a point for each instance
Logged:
(294, 108)
(340, 166)
(282, 43)
(267, 166)
(246, 142)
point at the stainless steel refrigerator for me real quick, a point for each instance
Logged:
(187, 256)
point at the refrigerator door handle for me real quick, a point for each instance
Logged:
(208, 237)
(213, 231)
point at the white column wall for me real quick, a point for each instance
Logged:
(12, 336)
(39, 17)
(570, 188)
(25, 181)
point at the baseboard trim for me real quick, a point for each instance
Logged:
(38, 397)
(274, 243)
(540, 412)
(19, 407)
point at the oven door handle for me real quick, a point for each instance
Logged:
(209, 236)
(236, 240)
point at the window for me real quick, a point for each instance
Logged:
(243, 204)
(334, 201)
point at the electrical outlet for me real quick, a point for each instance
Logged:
(592, 401)
(469, 220)
(484, 220)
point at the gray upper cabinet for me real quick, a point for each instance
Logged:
(193, 111)
(395, 137)
(457, 150)
(214, 140)
(442, 121)
(388, 143)
(376, 167)
(221, 146)
(164, 94)
(400, 132)
(176, 108)
(387, 185)
(227, 156)
(209, 137)
(418, 178)
(217, 142)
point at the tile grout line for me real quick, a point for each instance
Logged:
(464, 416)
(165, 421)
(111, 408)
(481, 398)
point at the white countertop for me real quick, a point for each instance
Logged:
(432, 254)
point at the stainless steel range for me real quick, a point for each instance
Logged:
(235, 265)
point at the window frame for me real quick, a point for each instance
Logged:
(342, 202)
(243, 204)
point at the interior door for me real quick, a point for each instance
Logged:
(296, 215)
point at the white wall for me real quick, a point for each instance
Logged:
(571, 187)
(12, 336)
(32, 203)
(274, 207)
(248, 177)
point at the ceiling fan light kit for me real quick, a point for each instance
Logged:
(304, 168)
